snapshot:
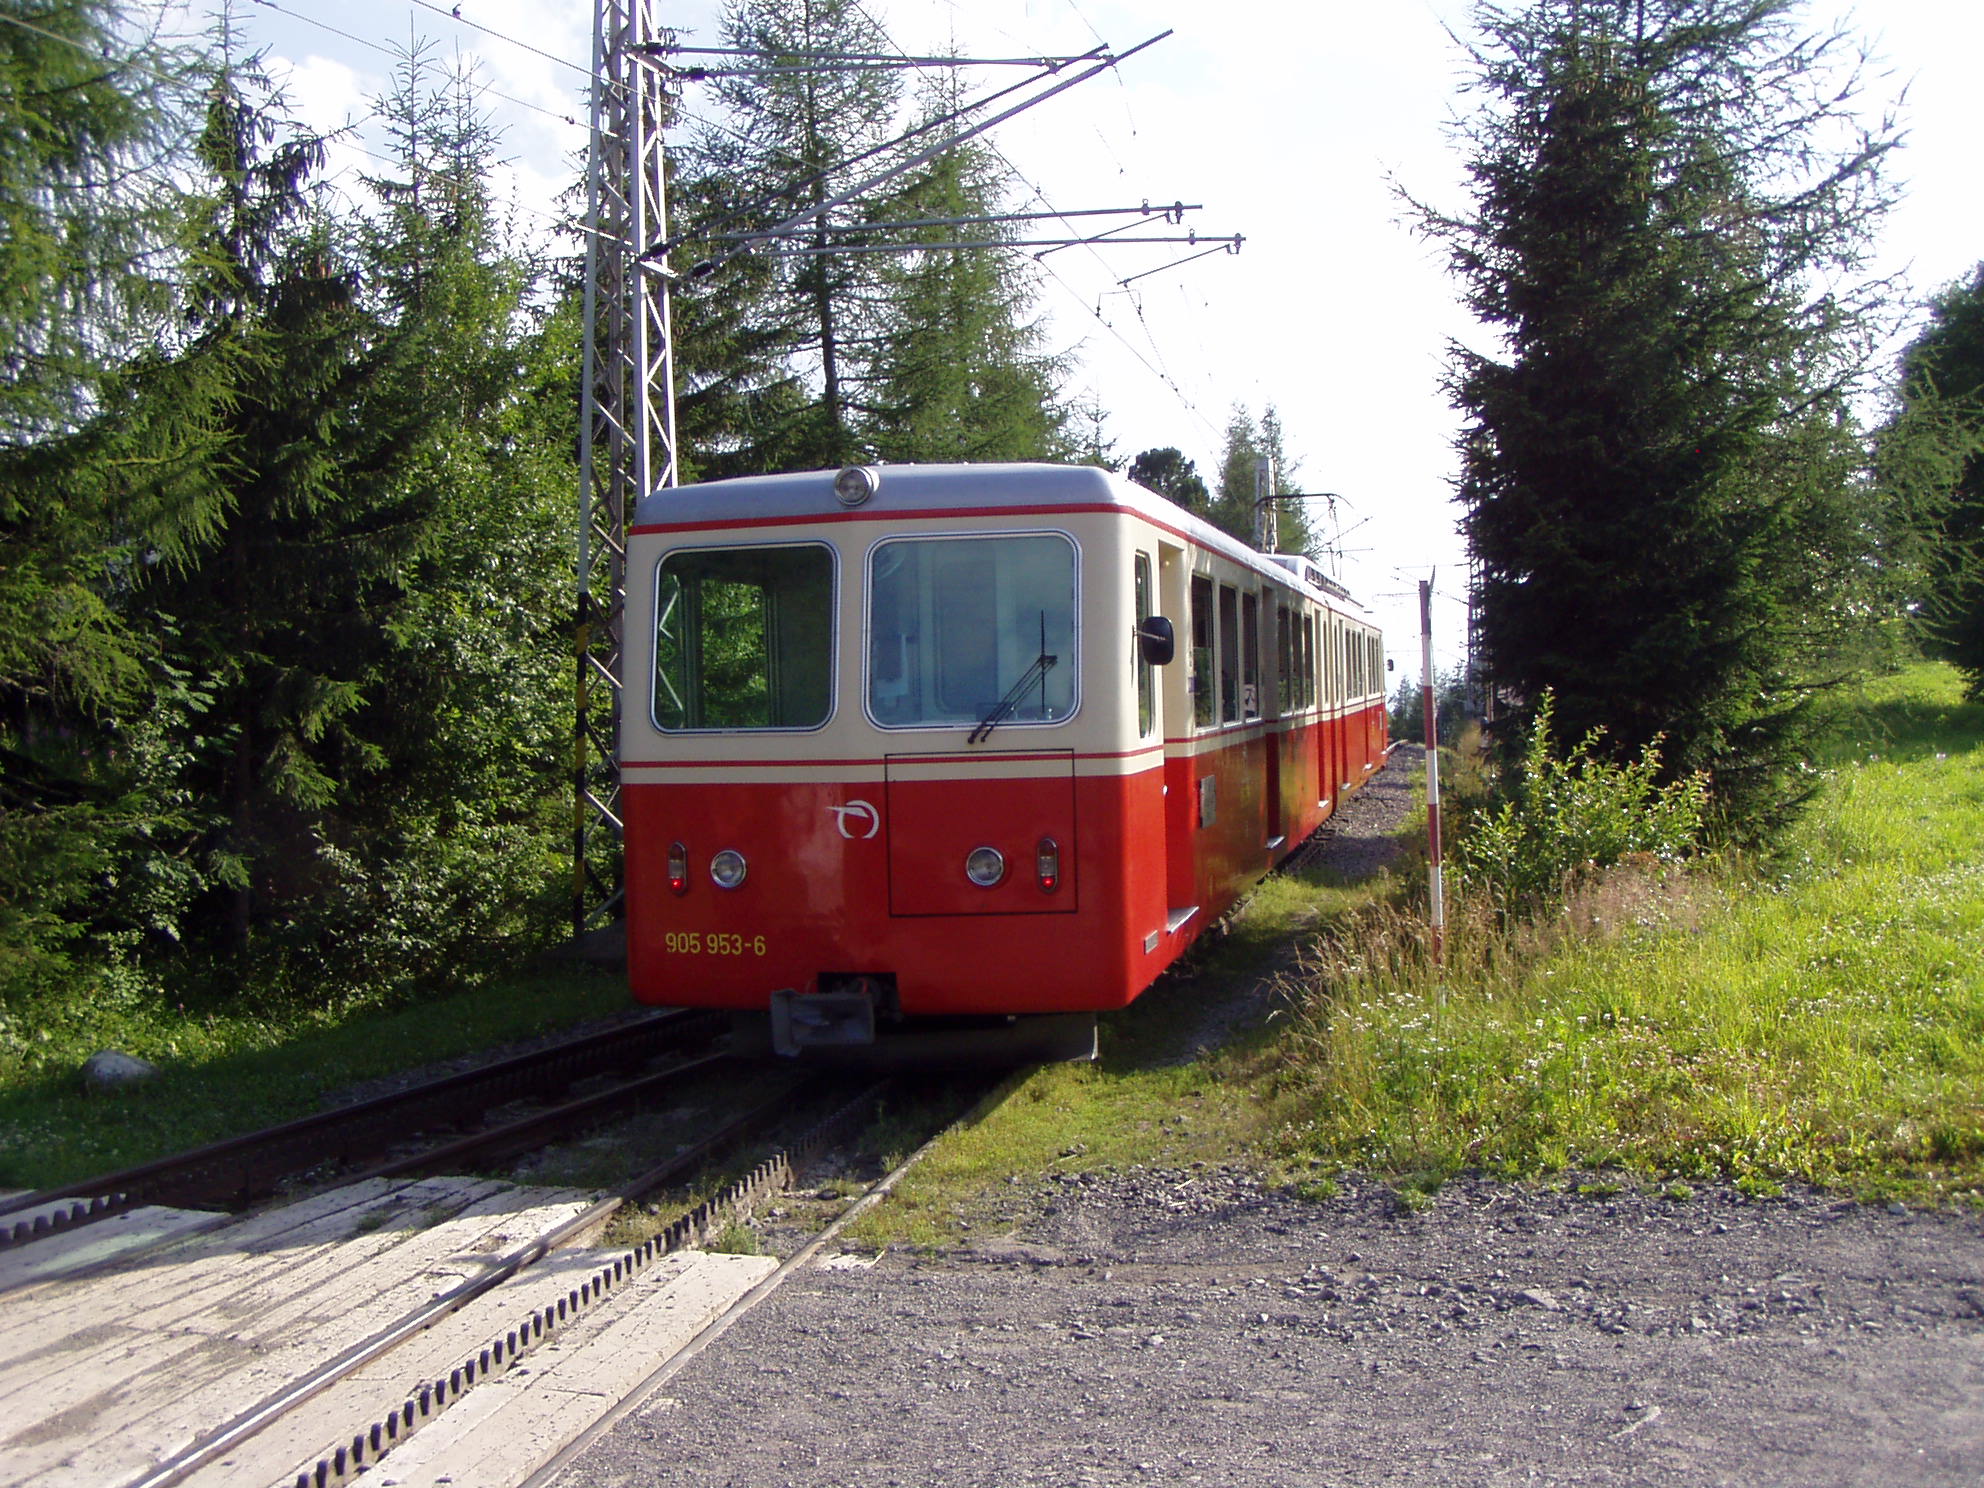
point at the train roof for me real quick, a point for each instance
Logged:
(751, 500)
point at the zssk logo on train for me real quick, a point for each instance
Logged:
(861, 811)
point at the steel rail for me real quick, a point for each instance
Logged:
(239, 1168)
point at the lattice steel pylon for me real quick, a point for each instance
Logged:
(627, 417)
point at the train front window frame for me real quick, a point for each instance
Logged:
(936, 657)
(775, 608)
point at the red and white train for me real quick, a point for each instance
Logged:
(909, 746)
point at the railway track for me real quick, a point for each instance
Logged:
(320, 1394)
(355, 1140)
(807, 1119)
(521, 1286)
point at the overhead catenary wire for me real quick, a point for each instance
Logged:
(890, 59)
(842, 198)
(399, 53)
(848, 194)
(1161, 374)
(799, 250)
(1173, 213)
(455, 14)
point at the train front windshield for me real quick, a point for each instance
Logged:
(744, 638)
(960, 627)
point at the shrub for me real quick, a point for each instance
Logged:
(1566, 817)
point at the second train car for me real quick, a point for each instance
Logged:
(971, 749)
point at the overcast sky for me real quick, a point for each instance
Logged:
(1295, 124)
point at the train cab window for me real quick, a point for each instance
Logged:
(1202, 671)
(958, 626)
(1229, 654)
(744, 638)
(1146, 674)
(1250, 656)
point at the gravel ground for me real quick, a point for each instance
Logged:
(1189, 1326)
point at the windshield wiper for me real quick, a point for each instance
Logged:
(1042, 665)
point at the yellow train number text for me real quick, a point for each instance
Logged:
(712, 943)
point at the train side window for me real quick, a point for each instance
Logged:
(1201, 678)
(1285, 652)
(1145, 672)
(1250, 656)
(1308, 661)
(744, 638)
(1229, 654)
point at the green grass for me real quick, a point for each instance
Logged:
(1821, 1021)
(227, 1072)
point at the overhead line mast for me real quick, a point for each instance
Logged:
(627, 410)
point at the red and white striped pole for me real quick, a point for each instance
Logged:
(1432, 766)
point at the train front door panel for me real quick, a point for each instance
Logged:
(943, 808)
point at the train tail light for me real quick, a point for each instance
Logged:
(1047, 864)
(678, 868)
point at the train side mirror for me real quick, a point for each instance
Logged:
(1156, 642)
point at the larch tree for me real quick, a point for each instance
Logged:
(89, 115)
(960, 371)
(789, 141)
(1661, 480)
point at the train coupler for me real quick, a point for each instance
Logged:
(810, 1020)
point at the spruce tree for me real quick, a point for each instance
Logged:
(1932, 464)
(1661, 477)
(1248, 441)
(1167, 472)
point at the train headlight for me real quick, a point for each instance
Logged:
(855, 484)
(985, 866)
(678, 868)
(728, 868)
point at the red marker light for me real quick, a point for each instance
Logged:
(1047, 864)
(678, 868)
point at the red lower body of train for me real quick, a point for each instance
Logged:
(1113, 866)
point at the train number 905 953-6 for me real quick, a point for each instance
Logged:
(712, 943)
